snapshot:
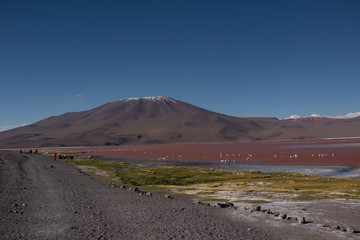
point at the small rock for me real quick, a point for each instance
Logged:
(230, 204)
(268, 211)
(167, 196)
(222, 205)
(335, 227)
(283, 216)
(326, 225)
(289, 218)
(148, 194)
(276, 214)
(350, 229)
(245, 208)
(255, 208)
(301, 220)
(249, 229)
(342, 228)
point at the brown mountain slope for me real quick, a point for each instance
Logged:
(161, 120)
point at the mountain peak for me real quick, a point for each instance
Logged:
(152, 99)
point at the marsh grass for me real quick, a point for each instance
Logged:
(208, 183)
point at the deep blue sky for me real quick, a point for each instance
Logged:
(241, 58)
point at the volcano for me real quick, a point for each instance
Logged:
(164, 120)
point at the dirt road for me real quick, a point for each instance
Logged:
(45, 199)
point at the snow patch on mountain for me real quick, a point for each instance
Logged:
(153, 99)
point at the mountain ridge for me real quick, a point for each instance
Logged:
(164, 120)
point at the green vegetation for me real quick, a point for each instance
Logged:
(209, 183)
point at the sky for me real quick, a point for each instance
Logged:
(274, 58)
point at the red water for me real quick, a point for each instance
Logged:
(330, 152)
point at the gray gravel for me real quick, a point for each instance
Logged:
(45, 199)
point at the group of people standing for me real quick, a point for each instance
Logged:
(29, 152)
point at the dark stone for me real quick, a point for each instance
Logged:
(230, 204)
(226, 205)
(255, 208)
(283, 216)
(222, 205)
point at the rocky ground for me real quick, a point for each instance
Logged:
(45, 199)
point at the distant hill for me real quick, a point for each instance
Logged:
(164, 120)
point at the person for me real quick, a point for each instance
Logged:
(54, 156)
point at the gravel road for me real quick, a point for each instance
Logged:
(45, 199)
